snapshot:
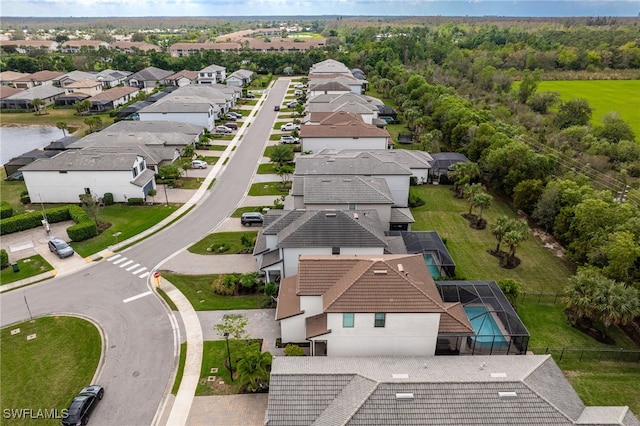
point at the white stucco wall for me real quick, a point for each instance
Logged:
(291, 255)
(55, 187)
(203, 120)
(318, 144)
(292, 330)
(409, 334)
(399, 187)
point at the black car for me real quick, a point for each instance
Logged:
(250, 218)
(82, 406)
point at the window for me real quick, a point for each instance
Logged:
(380, 318)
(335, 250)
(347, 320)
(352, 206)
(135, 172)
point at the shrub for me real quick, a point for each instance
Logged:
(293, 350)
(82, 231)
(108, 198)
(414, 200)
(135, 201)
(5, 210)
(24, 197)
(4, 259)
(227, 285)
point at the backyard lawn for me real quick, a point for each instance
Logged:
(47, 372)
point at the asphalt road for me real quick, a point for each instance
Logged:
(140, 352)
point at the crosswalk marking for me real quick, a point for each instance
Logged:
(119, 260)
(145, 275)
(133, 267)
(138, 271)
(114, 257)
(126, 263)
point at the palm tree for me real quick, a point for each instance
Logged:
(62, 125)
(385, 85)
(253, 368)
(36, 103)
(281, 155)
(461, 174)
(470, 191)
(518, 233)
(285, 173)
(189, 151)
(580, 294)
(499, 229)
(615, 303)
(482, 201)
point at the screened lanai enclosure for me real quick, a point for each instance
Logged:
(497, 327)
(435, 253)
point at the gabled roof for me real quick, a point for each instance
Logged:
(43, 91)
(85, 160)
(191, 75)
(212, 68)
(330, 66)
(86, 82)
(438, 390)
(331, 86)
(11, 75)
(76, 75)
(347, 163)
(114, 93)
(333, 189)
(80, 43)
(241, 73)
(325, 228)
(353, 129)
(135, 44)
(150, 74)
(6, 91)
(169, 127)
(412, 159)
(112, 75)
(41, 76)
(179, 104)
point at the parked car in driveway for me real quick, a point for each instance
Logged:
(199, 164)
(292, 104)
(83, 405)
(289, 140)
(232, 126)
(251, 218)
(250, 95)
(223, 129)
(235, 115)
(60, 247)
(290, 127)
(299, 86)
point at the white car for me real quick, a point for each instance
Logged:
(289, 140)
(290, 127)
(223, 129)
(292, 104)
(199, 164)
(300, 86)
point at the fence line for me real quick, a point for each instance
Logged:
(542, 297)
(590, 354)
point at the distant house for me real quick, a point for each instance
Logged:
(366, 305)
(73, 77)
(400, 391)
(7, 78)
(39, 78)
(212, 74)
(26, 46)
(182, 78)
(22, 100)
(329, 88)
(149, 77)
(195, 110)
(74, 46)
(113, 98)
(365, 106)
(239, 78)
(131, 46)
(79, 90)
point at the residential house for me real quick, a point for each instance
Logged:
(343, 130)
(112, 78)
(196, 110)
(358, 163)
(62, 178)
(26, 46)
(182, 78)
(419, 162)
(74, 46)
(113, 98)
(7, 78)
(16, 163)
(148, 78)
(355, 86)
(6, 91)
(129, 47)
(400, 391)
(22, 100)
(39, 78)
(286, 235)
(239, 78)
(212, 74)
(365, 106)
(329, 88)
(366, 305)
(79, 90)
(329, 66)
(73, 77)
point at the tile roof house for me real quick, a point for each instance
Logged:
(6, 91)
(37, 79)
(212, 74)
(132, 46)
(74, 46)
(22, 100)
(362, 105)
(182, 78)
(25, 46)
(7, 77)
(148, 77)
(72, 77)
(113, 98)
(366, 305)
(239, 78)
(478, 391)
(343, 130)
(112, 78)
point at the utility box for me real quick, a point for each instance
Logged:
(15, 267)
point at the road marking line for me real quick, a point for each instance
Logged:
(119, 260)
(133, 267)
(138, 296)
(126, 263)
(114, 257)
(139, 270)
(145, 275)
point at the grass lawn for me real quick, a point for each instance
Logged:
(275, 137)
(188, 183)
(48, 371)
(603, 96)
(128, 220)
(214, 355)
(247, 209)
(267, 169)
(53, 115)
(197, 288)
(10, 192)
(539, 270)
(267, 188)
(181, 361)
(29, 267)
(230, 239)
(214, 147)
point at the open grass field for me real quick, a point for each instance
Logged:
(48, 371)
(604, 96)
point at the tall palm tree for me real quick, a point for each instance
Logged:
(519, 231)
(615, 303)
(36, 103)
(470, 191)
(62, 125)
(482, 201)
(499, 229)
(580, 293)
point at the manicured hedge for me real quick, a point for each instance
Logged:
(83, 229)
(135, 201)
(4, 259)
(5, 210)
(107, 198)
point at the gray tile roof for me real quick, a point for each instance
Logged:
(325, 228)
(346, 189)
(212, 68)
(395, 245)
(401, 215)
(411, 159)
(44, 91)
(75, 160)
(169, 127)
(150, 74)
(444, 390)
(359, 163)
(179, 104)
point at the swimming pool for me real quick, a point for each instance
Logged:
(431, 264)
(487, 331)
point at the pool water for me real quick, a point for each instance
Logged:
(431, 264)
(485, 327)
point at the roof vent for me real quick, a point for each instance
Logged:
(400, 376)
(507, 396)
(404, 396)
(330, 215)
(380, 272)
(498, 375)
(355, 216)
(400, 267)
(325, 180)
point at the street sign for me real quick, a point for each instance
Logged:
(156, 275)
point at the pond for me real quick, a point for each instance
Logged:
(15, 141)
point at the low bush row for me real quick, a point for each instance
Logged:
(84, 228)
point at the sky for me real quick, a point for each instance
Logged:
(274, 8)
